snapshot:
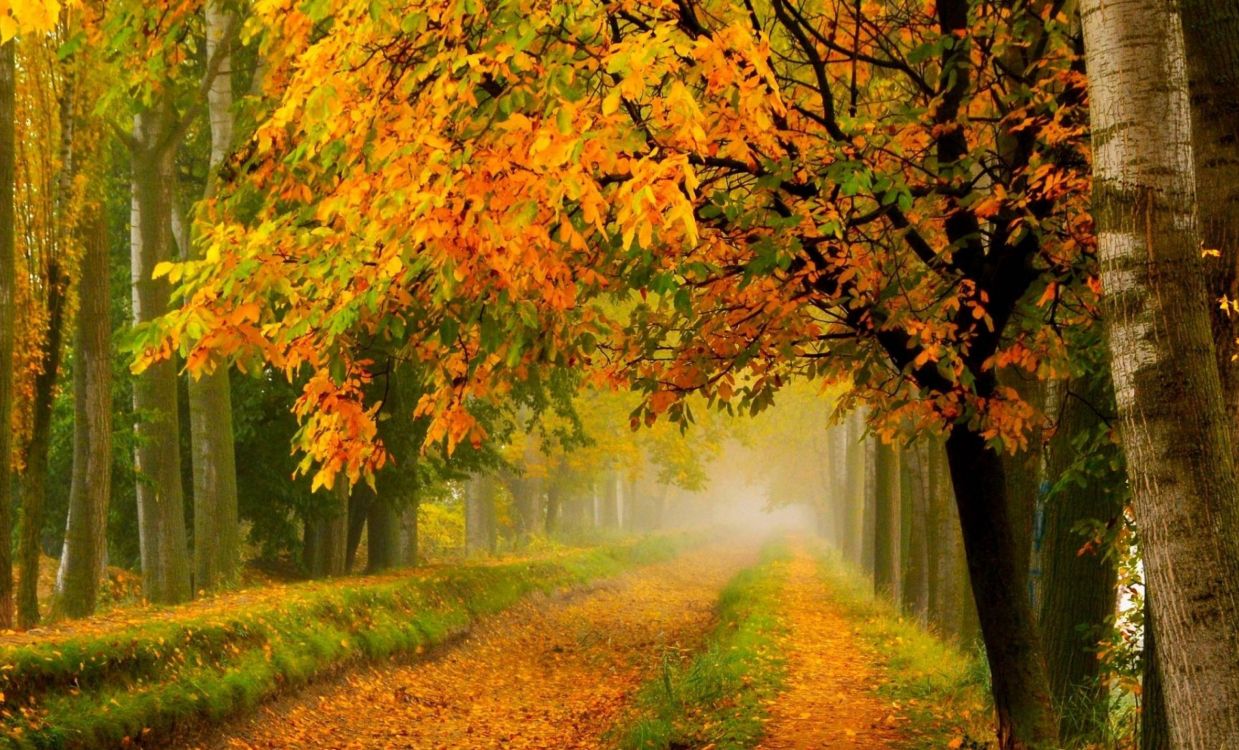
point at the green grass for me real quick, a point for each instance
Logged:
(148, 680)
(940, 689)
(718, 697)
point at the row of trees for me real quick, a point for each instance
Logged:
(719, 198)
(115, 148)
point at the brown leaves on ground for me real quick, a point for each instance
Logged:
(545, 674)
(829, 699)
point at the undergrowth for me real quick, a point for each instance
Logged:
(140, 683)
(939, 688)
(717, 698)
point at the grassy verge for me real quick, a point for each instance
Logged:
(139, 683)
(940, 689)
(717, 698)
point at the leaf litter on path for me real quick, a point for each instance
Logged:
(549, 673)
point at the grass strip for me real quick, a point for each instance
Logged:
(718, 697)
(141, 683)
(939, 688)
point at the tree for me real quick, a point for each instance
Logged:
(887, 552)
(1085, 501)
(216, 527)
(8, 277)
(85, 546)
(1211, 31)
(1173, 422)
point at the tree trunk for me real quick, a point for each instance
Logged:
(553, 501)
(609, 511)
(326, 535)
(34, 481)
(869, 509)
(886, 522)
(382, 535)
(408, 541)
(480, 532)
(1173, 421)
(161, 501)
(1020, 686)
(216, 525)
(77, 583)
(8, 278)
(854, 502)
(1079, 592)
(1211, 34)
(915, 518)
(359, 502)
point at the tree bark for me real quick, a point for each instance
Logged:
(1079, 593)
(886, 522)
(915, 517)
(1211, 36)
(161, 502)
(77, 583)
(480, 531)
(408, 541)
(852, 516)
(1020, 686)
(8, 278)
(382, 535)
(1154, 729)
(216, 524)
(325, 552)
(1173, 421)
(34, 481)
(869, 508)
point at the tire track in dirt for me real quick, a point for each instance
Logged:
(828, 700)
(549, 673)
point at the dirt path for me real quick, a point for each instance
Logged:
(828, 701)
(548, 674)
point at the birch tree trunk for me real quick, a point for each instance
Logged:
(161, 502)
(1173, 421)
(77, 583)
(216, 525)
(8, 277)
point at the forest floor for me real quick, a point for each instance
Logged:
(830, 696)
(551, 672)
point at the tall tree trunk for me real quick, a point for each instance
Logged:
(1079, 593)
(886, 521)
(8, 278)
(1211, 34)
(216, 525)
(869, 509)
(854, 501)
(1173, 421)
(34, 481)
(90, 489)
(915, 517)
(161, 500)
(1021, 688)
